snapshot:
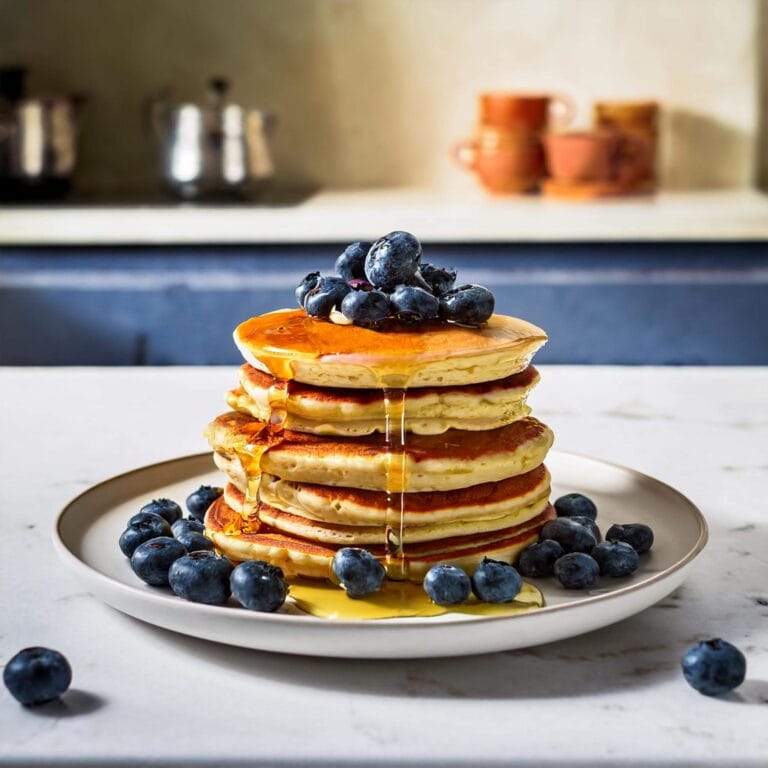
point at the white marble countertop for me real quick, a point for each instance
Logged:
(437, 217)
(142, 695)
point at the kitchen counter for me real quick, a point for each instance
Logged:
(437, 217)
(616, 696)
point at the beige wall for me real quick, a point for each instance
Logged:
(375, 91)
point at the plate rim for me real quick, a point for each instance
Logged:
(446, 620)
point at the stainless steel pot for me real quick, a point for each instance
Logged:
(213, 150)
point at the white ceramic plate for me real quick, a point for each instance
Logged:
(88, 528)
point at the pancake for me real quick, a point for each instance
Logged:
(455, 459)
(300, 557)
(341, 535)
(290, 345)
(350, 412)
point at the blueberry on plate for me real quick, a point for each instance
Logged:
(413, 305)
(187, 526)
(495, 581)
(167, 509)
(143, 526)
(152, 559)
(714, 666)
(638, 535)
(570, 535)
(575, 505)
(616, 558)
(393, 260)
(327, 294)
(351, 263)
(201, 577)
(589, 524)
(467, 305)
(305, 286)
(198, 501)
(366, 308)
(539, 558)
(439, 279)
(37, 675)
(576, 570)
(194, 541)
(358, 571)
(259, 586)
(447, 584)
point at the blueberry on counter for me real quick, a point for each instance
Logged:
(198, 501)
(616, 558)
(143, 526)
(358, 571)
(413, 305)
(439, 279)
(393, 260)
(589, 524)
(467, 305)
(714, 667)
(495, 581)
(447, 584)
(327, 293)
(37, 675)
(576, 570)
(539, 558)
(305, 286)
(152, 559)
(259, 586)
(638, 535)
(167, 509)
(575, 505)
(351, 263)
(570, 535)
(366, 308)
(201, 577)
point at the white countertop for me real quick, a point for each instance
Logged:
(342, 216)
(142, 694)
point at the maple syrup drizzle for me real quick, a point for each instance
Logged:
(396, 482)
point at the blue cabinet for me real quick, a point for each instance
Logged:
(640, 303)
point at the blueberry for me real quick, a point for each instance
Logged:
(199, 501)
(392, 260)
(467, 304)
(358, 571)
(413, 305)
(539, 558)
(351, 263)
(638, 535)
(259, 586)
(305, 286)
(575, 505)
(152, 559)
(447, 584)
(202, 577)
(439, 279)
(142, 527)
(187, 526)
(167, 509)
(714, 666)
(37, 675)
(496, 582)
(571, 536)
(576, 570)
(366, 308)
(589, 524)
(616, 558)
(194, 541)
(328, 293)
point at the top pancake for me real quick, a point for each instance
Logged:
(291, 345)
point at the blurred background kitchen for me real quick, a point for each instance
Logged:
(170, 167)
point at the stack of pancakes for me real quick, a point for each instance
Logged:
(339, 435)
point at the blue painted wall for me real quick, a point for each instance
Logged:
(659, 303)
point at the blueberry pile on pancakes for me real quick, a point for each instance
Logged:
(396, 423)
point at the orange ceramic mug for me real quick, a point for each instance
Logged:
(597, 157)
(532, 112)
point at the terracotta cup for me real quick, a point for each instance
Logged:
(596, 157)
(637, 119)
(506, 162)
(520, 111)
